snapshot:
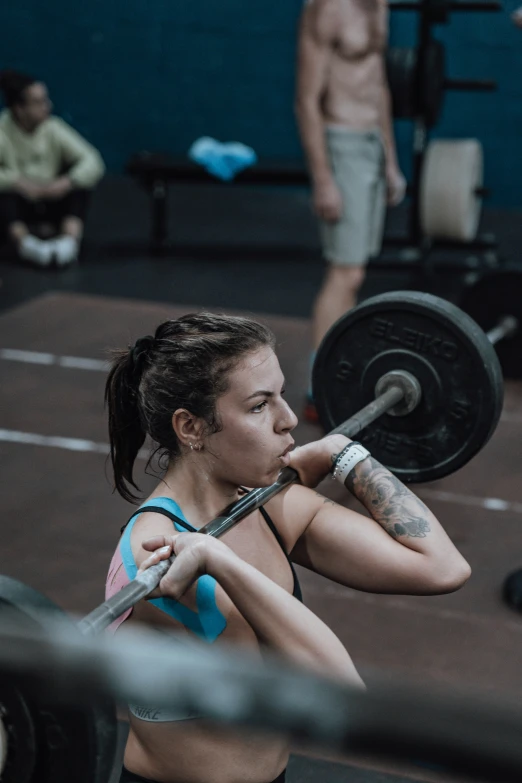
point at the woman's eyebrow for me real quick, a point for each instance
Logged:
(260, 393)
(264, 392)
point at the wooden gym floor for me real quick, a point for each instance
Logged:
(60, 521)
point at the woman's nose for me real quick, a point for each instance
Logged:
(288, 419)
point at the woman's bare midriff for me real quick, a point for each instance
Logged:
(193, 751)
(203, 753)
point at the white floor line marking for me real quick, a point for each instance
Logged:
(69, 362)
(491, 504)
(57, 442)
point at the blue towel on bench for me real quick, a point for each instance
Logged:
(222, 160)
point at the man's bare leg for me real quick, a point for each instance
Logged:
(338, 294)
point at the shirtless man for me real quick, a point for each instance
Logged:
(343, 111)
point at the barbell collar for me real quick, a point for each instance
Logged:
(410, 387)
(506, 327)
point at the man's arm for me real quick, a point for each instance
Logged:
(10, 176)
(86, 163)
(317, 32)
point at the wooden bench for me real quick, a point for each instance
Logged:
(154, 172)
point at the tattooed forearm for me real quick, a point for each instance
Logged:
(415, 528)
(389, 502)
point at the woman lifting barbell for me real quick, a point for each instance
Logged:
(208, 389)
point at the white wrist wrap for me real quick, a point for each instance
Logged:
(347, 460)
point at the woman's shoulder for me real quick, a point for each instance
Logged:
(292, 510)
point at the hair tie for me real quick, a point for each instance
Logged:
(140, 351)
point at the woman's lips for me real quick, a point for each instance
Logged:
(285, 456)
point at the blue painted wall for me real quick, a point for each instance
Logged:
(138, 74)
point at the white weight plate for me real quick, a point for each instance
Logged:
(449, 205)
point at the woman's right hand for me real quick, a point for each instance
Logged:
(193, 554)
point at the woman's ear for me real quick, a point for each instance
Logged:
(188, 429)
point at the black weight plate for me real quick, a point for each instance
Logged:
(401, 63)
(512, 590)
(461, 380)
(401, 68)
(21, 756)
(72, 743)
(495, 295)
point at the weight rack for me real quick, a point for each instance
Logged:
(427, 62)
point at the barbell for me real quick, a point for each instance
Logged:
(54, 674)
(412, 373)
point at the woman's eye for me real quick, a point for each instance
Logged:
(259, 408)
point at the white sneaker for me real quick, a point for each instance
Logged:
(39, 251)
(65, 250)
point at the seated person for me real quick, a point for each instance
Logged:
(47, 171)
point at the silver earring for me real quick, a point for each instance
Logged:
(191, 446)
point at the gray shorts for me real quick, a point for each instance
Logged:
(358, 165)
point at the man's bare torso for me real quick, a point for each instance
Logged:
(354, 93)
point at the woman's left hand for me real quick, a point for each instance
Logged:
(314, 461)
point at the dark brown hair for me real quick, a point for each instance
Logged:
(184, 365)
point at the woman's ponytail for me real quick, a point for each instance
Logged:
(126, 431)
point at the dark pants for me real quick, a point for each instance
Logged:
(129, 777)
(14, 207)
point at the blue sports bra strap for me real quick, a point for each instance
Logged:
(165, 512)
